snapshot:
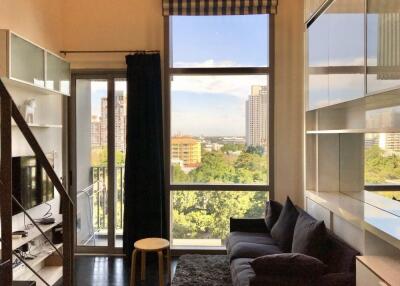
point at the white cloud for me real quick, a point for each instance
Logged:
(207, 64)
(238, 86)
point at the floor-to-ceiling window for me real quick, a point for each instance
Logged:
(218, 124)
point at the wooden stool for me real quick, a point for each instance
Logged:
(151, 245)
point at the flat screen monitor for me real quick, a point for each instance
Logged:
(30, 184)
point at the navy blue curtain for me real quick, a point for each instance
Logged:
(144, 166)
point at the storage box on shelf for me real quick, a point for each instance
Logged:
(23, 63)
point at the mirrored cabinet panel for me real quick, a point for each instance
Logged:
(383, 45)
(346, 50)
(336, 54)
(58, 74)
(318, 62)
(27, 61)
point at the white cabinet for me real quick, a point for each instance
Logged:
(25, 63)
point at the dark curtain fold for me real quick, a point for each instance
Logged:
(144, 166)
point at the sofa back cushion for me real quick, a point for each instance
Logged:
(339, 257)
(309, 236)
(272, 211)
(282, 231)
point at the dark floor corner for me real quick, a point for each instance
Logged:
(110, 271)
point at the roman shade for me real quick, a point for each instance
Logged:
(218, 7)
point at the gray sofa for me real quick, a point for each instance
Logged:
(250, 238)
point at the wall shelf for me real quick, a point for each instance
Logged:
(34, 233)
(355, 131)
(12, 83)
(49, 250)
(383, 224)
(36, 125)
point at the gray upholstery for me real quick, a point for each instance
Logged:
(242, 247)
(252, 250)
(241, 272)
(256, 237)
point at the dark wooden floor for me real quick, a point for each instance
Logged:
(112, 271)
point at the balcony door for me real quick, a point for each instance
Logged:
(98, 147)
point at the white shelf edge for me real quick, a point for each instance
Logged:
(34, 233)
(348, 131)
(346, 209)
(20, 270)
(10, 81)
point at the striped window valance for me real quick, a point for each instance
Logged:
(218, 7)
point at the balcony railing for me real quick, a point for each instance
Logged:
(100, 191)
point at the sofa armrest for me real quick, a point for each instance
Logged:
(248, 225)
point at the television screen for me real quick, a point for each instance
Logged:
(31, 186)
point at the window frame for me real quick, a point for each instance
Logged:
(170, 71)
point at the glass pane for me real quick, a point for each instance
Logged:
(318, 61)
(201, 218)
(92, 174)
(220, 41)
(383, 61)
(120, 152)
(27, 61)
(219, 128)
(58, 74)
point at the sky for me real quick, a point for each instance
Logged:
(215, 105)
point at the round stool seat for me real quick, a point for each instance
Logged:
(151, 244)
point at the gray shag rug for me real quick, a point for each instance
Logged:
(202, 270)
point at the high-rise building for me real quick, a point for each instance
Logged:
(186, 149)
(257, 116)
(95, 131)
(120, 121)
(390, 142)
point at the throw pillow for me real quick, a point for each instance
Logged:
(289, 265)
(282, 231)
(272, 211)
(309, 236)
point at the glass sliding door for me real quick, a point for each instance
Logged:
(98, 160)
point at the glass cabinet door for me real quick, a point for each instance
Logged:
(58, 74)
(383, 45)
(346, 50)
(27, 61)
(318, 61)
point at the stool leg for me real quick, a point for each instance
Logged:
(143, 266)
(161, 267)
(169, 264)
(133, 267)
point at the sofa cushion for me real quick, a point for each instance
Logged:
(272, 211)
(337, 279)
(241, 272)
(340, 257)
(251, 250)
(309, 236)
(289, 264)
(282, 231)
(251, 237)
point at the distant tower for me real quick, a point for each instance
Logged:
(257, 116)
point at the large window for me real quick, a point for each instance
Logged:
(218, 123)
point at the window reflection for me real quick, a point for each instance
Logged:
(383, 45)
